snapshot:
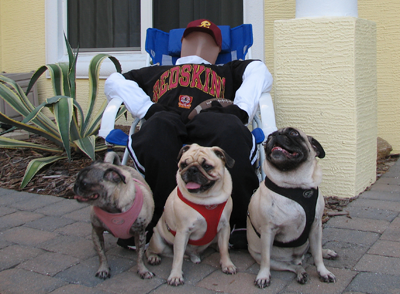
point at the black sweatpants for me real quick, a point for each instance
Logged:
(155, 149)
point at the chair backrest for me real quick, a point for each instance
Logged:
(165, 48)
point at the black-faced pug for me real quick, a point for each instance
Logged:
(197, 212)
(285, 213)
(122, 204)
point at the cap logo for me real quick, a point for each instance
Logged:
(205, 24)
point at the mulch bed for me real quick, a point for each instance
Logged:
(58, 179)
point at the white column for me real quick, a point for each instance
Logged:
(325, 8)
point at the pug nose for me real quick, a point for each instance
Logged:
(193, 170)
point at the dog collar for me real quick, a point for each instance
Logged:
(212, 215)
(119, 224)
(307, 198)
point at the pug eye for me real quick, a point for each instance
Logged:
(183, 165)
(207, 167)
(293, 133)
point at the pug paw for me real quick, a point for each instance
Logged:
(146, 275)
(175, 281)
(195, 258)
(229, 270)
(262, 282)
(302, 277)
(328, 278)
(154, 259)
(103, 274)
(329, 254)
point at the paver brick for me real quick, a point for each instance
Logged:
(129, 282)
(377, 204)
(386, 248)
(355, 223)
(392, 233)
(17, 219)
(193, 273)
(82, 214)
(27, 236)
(281, 275)
(11, 197)
(84, 272)
(6, 210)
(49, 263)
(26, 282)
(60, 208)
(35, 202)
(348, 254)
(80, 229)
(240, 258)
(389, 181)
(15, 254)
(386, 196)
(182, 289)
(49, 223)
(315, 286)
(349, 236)
(71, 245)
(372, 213)
(385, 188)
(77, 289)
(376, 283)
(379, 264)
(240, 283)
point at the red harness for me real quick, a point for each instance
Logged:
(119, 224)
(212, 215)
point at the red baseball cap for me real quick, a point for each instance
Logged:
(206, 26)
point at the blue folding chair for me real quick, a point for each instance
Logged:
(164, 49)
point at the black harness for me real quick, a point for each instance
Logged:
(307, 198)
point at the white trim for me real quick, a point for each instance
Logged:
(253, 12)
(56, 25)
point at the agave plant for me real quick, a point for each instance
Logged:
(71, 130)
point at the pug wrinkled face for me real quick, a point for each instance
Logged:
(94, 182)
(201, 167)
(288, 148)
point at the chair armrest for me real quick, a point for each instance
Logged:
(109, 115)
(267, 114)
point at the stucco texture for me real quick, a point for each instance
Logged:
(385, 13)
(325, 84)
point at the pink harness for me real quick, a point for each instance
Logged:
(119, 224)
(212, 214)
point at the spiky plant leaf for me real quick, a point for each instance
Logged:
(35, 165)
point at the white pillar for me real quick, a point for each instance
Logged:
(326, 8)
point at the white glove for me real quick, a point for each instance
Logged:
(135, 99)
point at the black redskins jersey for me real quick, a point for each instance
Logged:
(181, 88)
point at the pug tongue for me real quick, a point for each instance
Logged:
(192, 186)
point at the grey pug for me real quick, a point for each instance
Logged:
(285, 213)
(204, 186)
(122, 203)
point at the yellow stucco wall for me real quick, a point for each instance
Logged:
(22, 45)
(325, 84)
(385, 14)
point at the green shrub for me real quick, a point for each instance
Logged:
(72, 129)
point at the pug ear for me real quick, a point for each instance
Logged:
(317, 147)
(183, 150)
(229, 161)
(114, 175)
